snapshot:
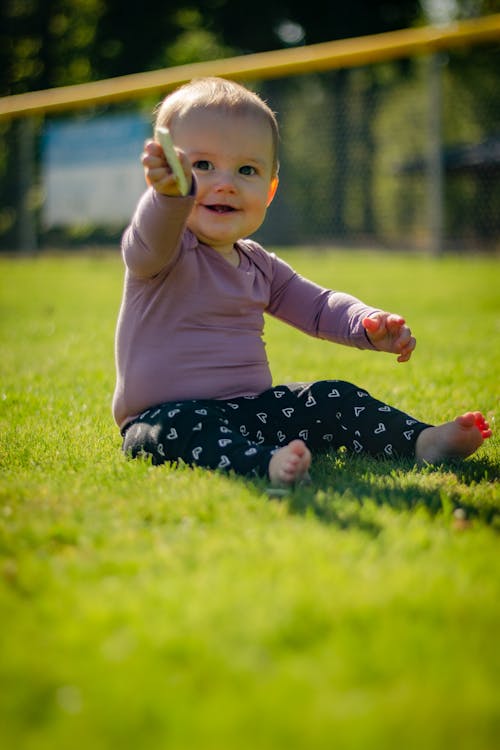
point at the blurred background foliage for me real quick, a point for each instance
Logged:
(46, 43)
(50, 43)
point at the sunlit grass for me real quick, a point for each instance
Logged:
(157, 608)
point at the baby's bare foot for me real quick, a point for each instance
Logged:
(457, 439)
(290, 463)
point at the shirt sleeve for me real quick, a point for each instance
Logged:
(152, 240)
(313, 309)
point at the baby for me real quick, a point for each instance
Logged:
(193, 381)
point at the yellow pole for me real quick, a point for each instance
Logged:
(278, 63)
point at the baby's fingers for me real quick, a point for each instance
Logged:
(154, 150)
(405, 355)
(376, 326)
(158, 171)
(394, 324)
(152, 157)
(406, 348)
(371, 324)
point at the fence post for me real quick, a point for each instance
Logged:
(434, 168)
(26, 217)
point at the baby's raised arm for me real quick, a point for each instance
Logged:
(152, 239)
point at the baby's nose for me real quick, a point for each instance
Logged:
(225, 181)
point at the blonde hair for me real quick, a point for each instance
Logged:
(221, 94)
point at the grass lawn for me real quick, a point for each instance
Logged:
(157, 608)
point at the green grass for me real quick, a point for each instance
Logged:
(146, 608)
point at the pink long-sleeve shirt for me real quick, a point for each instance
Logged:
(191, 324)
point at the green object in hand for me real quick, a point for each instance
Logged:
(163, 137)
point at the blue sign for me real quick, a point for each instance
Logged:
(114, 138)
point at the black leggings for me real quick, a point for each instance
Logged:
(243, 433)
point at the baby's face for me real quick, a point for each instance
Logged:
(232, 158)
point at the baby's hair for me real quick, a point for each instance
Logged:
(217, 93)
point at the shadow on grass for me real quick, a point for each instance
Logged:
(346, 490)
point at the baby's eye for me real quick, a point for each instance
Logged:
(247, 170)
(203, 165)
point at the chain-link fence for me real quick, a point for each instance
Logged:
(399, 154)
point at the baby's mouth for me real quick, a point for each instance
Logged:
(220, 208)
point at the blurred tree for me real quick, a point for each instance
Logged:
(289, 22)
(447, 11)
(149, 36)
(45, 43)
(49, 43)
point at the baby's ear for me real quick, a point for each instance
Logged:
(272, 189)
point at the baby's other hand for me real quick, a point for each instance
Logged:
(389, 333)
(157, 170)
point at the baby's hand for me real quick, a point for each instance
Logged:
(389, 333)
(157, 170)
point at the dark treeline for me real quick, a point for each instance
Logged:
(50, 43)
